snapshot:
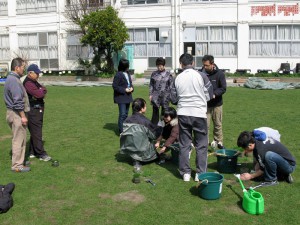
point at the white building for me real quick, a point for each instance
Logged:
(241, 34)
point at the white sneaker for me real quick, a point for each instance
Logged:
(196, 177)
(186, 177)
(214, 144)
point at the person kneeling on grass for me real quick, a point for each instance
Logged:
(139, 135)
(273, 159)
(169, 134)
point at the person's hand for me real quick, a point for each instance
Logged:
(156, 145)
(163, 149)
(127, 90)
(246, 176)
(24, 121)
(150, 98)
(131, 89)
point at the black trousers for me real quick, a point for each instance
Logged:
(35, 126)
(155, 114)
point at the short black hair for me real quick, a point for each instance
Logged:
(209, 58)
(170, 111)
(16, 62)
(160, 61)
(245, 138)
(123, 65)
(186, 59)
(138, 104)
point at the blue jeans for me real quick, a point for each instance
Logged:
(123, 113)
(274, 163)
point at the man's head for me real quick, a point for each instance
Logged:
(246, 141)
(139, 105)
(33, 71)
(208, 63)
(18, 66)
(186, 60)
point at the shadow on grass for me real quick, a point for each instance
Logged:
(123, 158)
(171, 167)
(240, 202)
(113, 127)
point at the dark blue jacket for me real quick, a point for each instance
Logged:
(119, 85)
(218, 81)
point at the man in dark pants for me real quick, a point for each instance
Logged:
(36, 93)
(192, 90)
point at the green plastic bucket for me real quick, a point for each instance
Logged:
(210, 185)
(227, 160)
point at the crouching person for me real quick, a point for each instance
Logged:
(169, 137)
(273, 159)
(139, 135)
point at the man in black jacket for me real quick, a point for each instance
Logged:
(214, 106)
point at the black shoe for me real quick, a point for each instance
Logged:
(220, 145)
(269, 183)
(289, 179)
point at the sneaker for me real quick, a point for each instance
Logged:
(186, 177)
(27, 163)
(269, 183)
(21, 169)
(220, 145)
(289, 179)
(213, 144)
(161, 161)
(196, 177)
(31, 156)
(137, 166)
(45, 158)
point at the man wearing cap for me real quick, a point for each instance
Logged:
(16, 102)
(36, 93)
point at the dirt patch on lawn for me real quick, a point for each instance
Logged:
(130, 196)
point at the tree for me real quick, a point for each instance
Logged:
(106, 33)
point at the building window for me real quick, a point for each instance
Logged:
(75, 50)
(40, 46)
(274, 40)
(139, 2)
(147, 42)
(33, 6)
(4, 47)
(3, 8)
(216, 41)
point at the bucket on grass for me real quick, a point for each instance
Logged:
(253, 202)
(210, 185)
(227, 160)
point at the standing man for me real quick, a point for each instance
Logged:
(36, 93)
(17, 105)
(214, 106)
(191, 92)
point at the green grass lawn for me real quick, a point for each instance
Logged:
(93, 184)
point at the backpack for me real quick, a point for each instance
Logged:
(6, 200)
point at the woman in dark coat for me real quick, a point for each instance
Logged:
(159, 89)
(123, 88)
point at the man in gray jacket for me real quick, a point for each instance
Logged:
(17, 105)
(191, 92)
